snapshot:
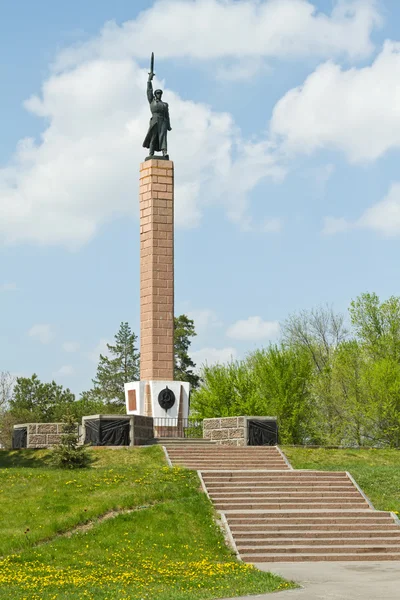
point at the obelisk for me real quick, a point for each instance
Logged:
(156, 193)
(157, 394)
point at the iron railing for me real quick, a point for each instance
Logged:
(165, 427)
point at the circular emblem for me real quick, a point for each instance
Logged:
(166, 398)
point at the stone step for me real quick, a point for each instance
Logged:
(267, 478)
(231, 460)
(198, 466)
(311, 557)
(225, 506)
(248, 537)
(259, 489)
(322, 549)
(186, 442)
(298, 520)
(301, 529)
(212, 447)
(360, 512)
(308, 502)
(241, 494)
(284, 475)
(247, 545)
(215, 451)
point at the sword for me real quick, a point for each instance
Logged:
(152, 65)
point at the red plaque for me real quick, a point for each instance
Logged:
(131, 400)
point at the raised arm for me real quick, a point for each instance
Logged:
(150, 94)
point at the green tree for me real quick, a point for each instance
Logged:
(33, 400)
(226, 390)
(283, 377)
(91, 403)
(377, 324)
(68, 454)
(382, 395)
(184, 331)
(269, 382)
(121, 367)
(346, 421)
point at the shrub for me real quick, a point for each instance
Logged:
(68, 454)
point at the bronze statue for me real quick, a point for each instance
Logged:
(156, 138)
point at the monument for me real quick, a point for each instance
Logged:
(157, 394)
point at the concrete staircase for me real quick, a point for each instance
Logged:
(277, 514)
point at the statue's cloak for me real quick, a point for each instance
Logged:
(159, 124)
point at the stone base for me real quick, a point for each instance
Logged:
(141, 398)
(156, 157)
(230, 431)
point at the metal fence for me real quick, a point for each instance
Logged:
(165, 427)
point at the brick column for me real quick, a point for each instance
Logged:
(157, 270)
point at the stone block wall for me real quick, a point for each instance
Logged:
(43, 435)
(142, 430)
(226, 431)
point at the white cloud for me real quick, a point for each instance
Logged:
(71, 346)
(268, 28)
(212, 356)
(204, 319)
(8, 287)
(383, 217)
(64, 371)
(100, 348)
(242, 69)
(78, 175)
(59, 190)
(43, 333)
(355, 110)
(253, 329)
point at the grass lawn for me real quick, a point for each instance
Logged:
(168, 548)
(377, 472)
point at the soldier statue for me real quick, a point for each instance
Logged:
(156, 138)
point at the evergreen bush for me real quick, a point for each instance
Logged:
(68, 454)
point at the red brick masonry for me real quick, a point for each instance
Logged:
(157, 270)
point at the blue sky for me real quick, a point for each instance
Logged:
(286, 136)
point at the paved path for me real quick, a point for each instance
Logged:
(336, 581)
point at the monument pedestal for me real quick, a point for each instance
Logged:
(143, 398)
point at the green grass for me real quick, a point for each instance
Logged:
(168, 548)
(377, 472)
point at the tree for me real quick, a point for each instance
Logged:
(91, 403)
(319, 331)
(33, 400)
(184, 366)
(7, 382)
(68, 454)
(226, 390)
(377, 324)
(382, 396)
(283, 377)
(273, 381)
(120, 368)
